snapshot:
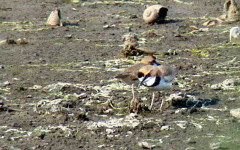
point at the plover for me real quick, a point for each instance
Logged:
(130, 75)
(156, 78)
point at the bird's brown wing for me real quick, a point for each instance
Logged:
(131, 72)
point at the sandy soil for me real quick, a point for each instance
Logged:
(56, 88)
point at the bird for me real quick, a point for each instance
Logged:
(156, 78)
(130, 75)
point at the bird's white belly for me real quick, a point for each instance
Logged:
(162, 85)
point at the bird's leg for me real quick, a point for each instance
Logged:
(134, 104)
(153, 96)
(161, 104)
(133, 91)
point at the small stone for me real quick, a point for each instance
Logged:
(234, 35)
(108, 111)
(181, 124)
(228, 82)
(6, 83)
(1, 67)
(109, 131)
(36, 87)
(109, 26)
(15, 79)
(203, 29)
(225, 85)
(214, 146)
(110, 136)
(181, 111)
(146, 145)
(69, 36)
(29, 96)
(21, 41)
(190, 141)
(166, 127)
(190, 148)
(101, 146)
(235, 112)
(129, 133)
(1, 104)
(75, 1)
(3, 42)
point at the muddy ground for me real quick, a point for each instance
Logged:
(58, 87)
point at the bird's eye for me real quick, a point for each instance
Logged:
(140, 74)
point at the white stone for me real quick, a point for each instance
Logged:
(109, 131)
(167, 127)
(235, 112)
(146, 145)
(180, 110)
(235, 35)
(181, 124)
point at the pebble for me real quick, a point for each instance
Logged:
(214, 146)
(234, 35)
(1, 104)
(166, 127)
(6, 83)
(225, 85)
(235, 112)
(181, 111)
(181, 124)
(190, 141)
(190, 148)
(146, 145)
(36, 87)
(1, 67)
(109, 131)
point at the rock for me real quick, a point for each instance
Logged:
(166, 127)
(214, 146)
(230, 11)
(6, 83)
(227, 84)
(109, 131)
(190, 141)
(230, 14)
(130, 41)
(181, 124)
(146, 145)
(181, 111)
(184, 100)
(190, 148)
(155, 14)
(1, 104)
(75, 1)
(1, 67)
(54, 18)
(234, 35)
(21, 41)
(235, 112)
(36, 87)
